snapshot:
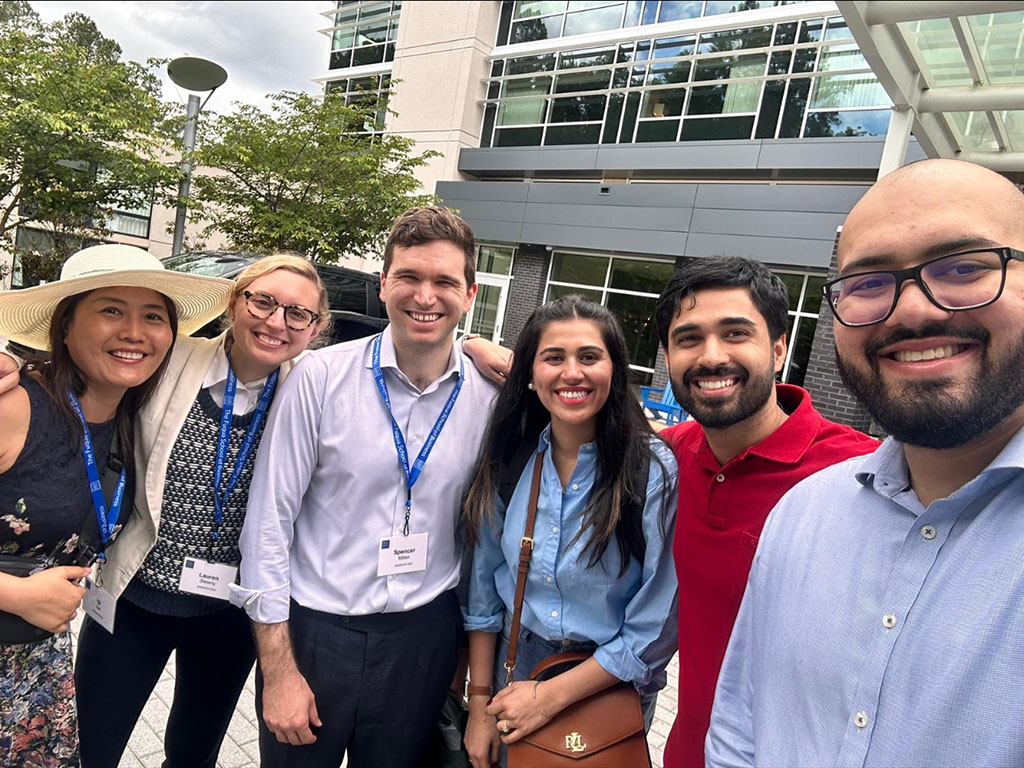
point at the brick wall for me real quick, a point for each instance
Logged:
(526, 289)
(827, 391)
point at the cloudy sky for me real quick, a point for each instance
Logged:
(265, 46)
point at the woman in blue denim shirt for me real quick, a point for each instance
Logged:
(600, 579)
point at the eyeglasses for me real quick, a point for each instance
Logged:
(263, 306)
(957, 282)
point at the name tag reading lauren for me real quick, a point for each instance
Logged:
(199, 577)
(99, 605)
(402, 554)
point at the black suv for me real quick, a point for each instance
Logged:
(354, 296)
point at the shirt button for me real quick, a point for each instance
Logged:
(928, 532)
(547, 579)
(575, 486)
(889, 620)
(554, 614)
(720, 478)
(554, 529)
(860, 719)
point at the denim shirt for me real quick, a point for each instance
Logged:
(631, 618)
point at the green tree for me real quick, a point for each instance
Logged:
(310, 174)
(79, 128)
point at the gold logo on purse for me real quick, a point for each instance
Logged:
(574, 742)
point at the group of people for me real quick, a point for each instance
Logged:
(353, 516)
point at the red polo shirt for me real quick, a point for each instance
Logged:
(722, 510)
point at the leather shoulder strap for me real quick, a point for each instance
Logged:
(525, 551)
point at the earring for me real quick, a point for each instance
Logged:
(529, 386)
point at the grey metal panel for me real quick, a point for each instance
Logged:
(589, 193)
(512, 191)
(497, 231)
(613, 217)
(606, 239)
(535, 158)
(696, 154)
(471, 209)
(793, 224)
(773, 250)
(781, 197)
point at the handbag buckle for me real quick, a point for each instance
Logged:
(508, 673)
(526, 541)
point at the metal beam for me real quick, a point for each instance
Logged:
(894, 152)
(888, 12)
(1003, 162)
(972, 98)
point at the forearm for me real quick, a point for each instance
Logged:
(11, 594)
(274, 648)
(576, 684)
(481, 661)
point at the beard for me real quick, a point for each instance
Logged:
(924, 412)
(719, 413)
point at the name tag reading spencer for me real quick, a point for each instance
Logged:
(99, 605)
(199, 577)
(402, 554)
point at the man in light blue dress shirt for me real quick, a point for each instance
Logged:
(350, 554)
(883, 621)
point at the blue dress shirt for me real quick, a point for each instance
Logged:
(877, 632)
(632, 619)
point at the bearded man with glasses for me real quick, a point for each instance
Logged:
(881, 620)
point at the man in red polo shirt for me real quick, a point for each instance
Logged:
(723, 325)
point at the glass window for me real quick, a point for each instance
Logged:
(494, 259)
(793, 114)
(785, 34)
(657, 130)
(518, 137)
(673, 11)
(726, 67)
(667, 102)
(735, 39)
(848, 91)
(579, 268)
(801, 353)
(574, 109)
(636, 316)
(525, 65)
(590, 58)
(810, 31)
(557, 135)
(632, 17)
(368, 54)
(779, 62)
(724, 99)
(629, 118)
(524, 110)
(544, 28)
(640, 275)
(594, 80)
(670, 72)
(771, 105)
(842, 57)
(837, 29)
(851, 123)
(716, 128)
(527, 8)
(716, 7)
(611, 120)
(671, 47)
(596, 20)
(558, 291)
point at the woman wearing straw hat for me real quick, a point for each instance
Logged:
(108, 324)
(169, 573)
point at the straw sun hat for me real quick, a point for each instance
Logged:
(25, 314)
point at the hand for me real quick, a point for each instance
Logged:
(481, 737)
(521, 709)
(492, 361)
(9, 377)
(50, 599)
(289, 708)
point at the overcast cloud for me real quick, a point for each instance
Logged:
(264, 46)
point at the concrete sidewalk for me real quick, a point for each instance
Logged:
(241, 745)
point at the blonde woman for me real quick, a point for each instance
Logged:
(169, 573)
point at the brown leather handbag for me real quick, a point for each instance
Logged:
(605, 730)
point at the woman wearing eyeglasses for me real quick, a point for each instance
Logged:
(170, 569)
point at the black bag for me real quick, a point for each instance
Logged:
(14, 630)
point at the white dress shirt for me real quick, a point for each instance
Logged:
(216, 381)
(328, 485)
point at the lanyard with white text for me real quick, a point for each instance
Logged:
(413, 474)
(224, 436)
(106, 520)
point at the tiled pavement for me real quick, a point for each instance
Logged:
(241, 747)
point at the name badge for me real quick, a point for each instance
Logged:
(402, 554)
(199, 577)
(99, 605)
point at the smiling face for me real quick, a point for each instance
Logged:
(426, 295)
(931, 377)
(721, 360)
(117, 337)
(572, 374)
(261, 345)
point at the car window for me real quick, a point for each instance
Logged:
(344, 293)
(208, 266)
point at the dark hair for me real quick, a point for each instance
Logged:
(59, 374)
(428, 224)
(623, 436)
(767, 291)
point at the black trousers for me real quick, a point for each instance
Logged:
(115, 675)
(379, 683)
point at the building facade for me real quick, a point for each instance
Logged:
(593, 146)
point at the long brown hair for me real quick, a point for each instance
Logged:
(60, 374)
(623, 438)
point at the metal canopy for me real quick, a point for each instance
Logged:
(955, 74)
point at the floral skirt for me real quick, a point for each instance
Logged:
(38, 725)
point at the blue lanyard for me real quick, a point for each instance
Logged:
(413, 474)
(224, 437)
(106, 520)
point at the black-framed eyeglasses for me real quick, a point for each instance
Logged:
(263, 306)
(955, 282)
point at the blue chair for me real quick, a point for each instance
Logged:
(661, 401)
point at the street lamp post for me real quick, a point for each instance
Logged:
(192, 74)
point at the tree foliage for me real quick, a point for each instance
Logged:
(305, 174)
(79, 128)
